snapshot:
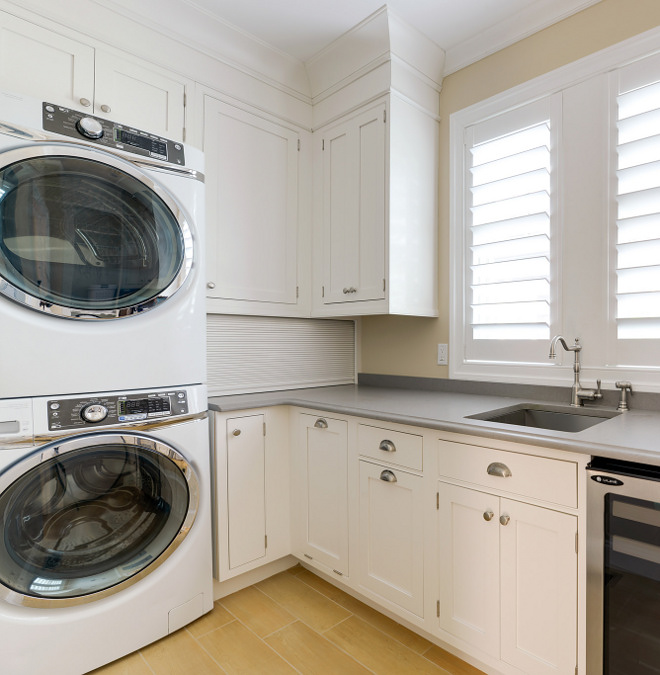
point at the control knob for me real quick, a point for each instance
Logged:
(89, 127)
(94, 412)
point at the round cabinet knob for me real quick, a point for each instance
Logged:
(106, 108)
(89, 127)
(85, 102)
(94, 412)
(488, 515)
(504, 519)
(236, 432)
(210, 284)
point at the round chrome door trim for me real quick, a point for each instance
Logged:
(100, 156)
(93, 440)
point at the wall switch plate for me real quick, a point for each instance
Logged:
(443, 355)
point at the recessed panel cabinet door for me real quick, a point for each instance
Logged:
(50, 67)
(246, 489)
(539, 589)
(137, 93)
(391, 554)
(252, 206)
(354, 208)
(322, 465)
(469, 566)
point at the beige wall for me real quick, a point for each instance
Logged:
(408, 346)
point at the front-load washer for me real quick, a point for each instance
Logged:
(105, 525)
(101, 254)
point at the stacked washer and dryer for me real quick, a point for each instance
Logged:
(105, 514)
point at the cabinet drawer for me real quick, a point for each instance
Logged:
(393, 447)
(550, 480)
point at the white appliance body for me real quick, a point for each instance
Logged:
(48, 349)
(63, 625)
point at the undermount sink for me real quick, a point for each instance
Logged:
(539, 416)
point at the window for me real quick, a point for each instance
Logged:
(555, 224)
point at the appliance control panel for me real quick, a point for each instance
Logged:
(102, 410)
(76, 124)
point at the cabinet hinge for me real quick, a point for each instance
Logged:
(341, 574)
(384, 116)
(437, 501)
(185, 99)
(577, 545)
(298, 145)
(437, 608)
(308, 556)
(265, 541)
(297, 292)
(323, 144)
(323, 291)
(264, 428)
(384, 285)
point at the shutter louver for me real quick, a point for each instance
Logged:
(510, 235)
(638, 214)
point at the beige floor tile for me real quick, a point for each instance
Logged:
(240, 651)
(216, 618)
(450, 662)
(179, 654)
(312, 654)
(133, 664)
(415, 642)
(301, 600)
(257, 611)
(377, 651)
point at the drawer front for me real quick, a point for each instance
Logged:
(392, 447)
(549, 480)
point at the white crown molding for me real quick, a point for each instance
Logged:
(534, 18)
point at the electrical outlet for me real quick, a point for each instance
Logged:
(443, 355)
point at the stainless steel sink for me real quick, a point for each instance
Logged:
(539, 416)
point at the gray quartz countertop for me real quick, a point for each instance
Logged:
(632, 436)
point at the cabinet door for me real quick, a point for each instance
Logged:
(50, 67)
(539, 589)
(324, 450)
(391, 554)
(246, 491)
(140, 94)
(353, 220)
(468, 549)
(252, 206)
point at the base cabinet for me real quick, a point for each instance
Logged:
(320, 468)
(391, 535)
(508, 579)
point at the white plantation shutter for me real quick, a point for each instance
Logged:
(509, 215)
(638, 213)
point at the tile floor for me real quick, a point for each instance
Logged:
(294, 622)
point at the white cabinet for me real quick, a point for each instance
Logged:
(376, 212)
(509, 569)
(254, 211)
(391, 535)
(59, 69)
(252, 489)
(320, 487)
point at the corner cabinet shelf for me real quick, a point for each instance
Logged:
(376, 208)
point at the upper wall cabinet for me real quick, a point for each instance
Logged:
(62, 70)
(256, 262)
(376, 212)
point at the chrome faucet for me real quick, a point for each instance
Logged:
(578, 394)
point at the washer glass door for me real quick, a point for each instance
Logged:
(98, 513)
(87, 235)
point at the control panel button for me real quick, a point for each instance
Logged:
(89, 127)
(94, 412)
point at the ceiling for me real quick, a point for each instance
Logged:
(463, 28)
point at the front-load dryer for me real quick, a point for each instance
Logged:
(101, 253)
(105, 525)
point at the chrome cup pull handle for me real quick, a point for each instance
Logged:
(499, 469)
(321, 423)
(388, 476)
(387, 446)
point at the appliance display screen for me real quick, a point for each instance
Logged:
(152, 145)
(144, 406)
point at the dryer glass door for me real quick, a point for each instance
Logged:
(102, 511)
(87, 235)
